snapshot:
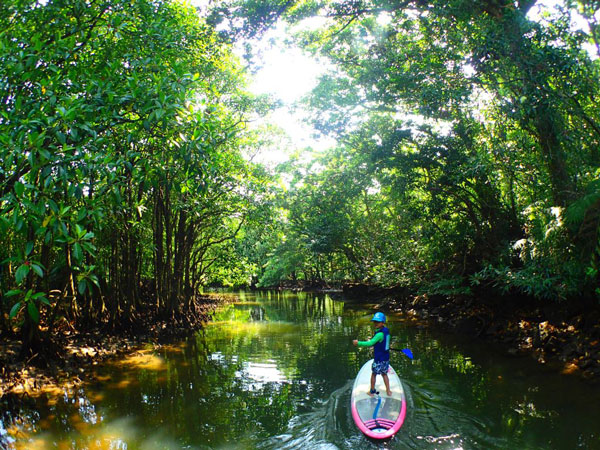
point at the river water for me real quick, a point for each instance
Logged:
(274, 371)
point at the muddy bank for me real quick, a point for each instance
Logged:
(72, 353)
(564, 336)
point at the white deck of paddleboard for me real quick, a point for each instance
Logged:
(390, 406)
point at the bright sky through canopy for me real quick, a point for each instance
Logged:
(287, 74)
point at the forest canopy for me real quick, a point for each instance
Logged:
(467, 153)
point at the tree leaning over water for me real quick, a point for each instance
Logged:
(121, 128)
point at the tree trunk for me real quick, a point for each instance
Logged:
(563, 190)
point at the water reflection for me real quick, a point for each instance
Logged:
(274, 371)
(261, 373)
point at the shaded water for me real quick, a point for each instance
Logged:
(275, 370)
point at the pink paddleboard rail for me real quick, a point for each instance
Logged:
(391, 428)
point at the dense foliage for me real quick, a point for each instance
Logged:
(468, 154)
(468, 148)
(121, 173)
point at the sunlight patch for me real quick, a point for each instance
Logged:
(256, 375)
(142, 360)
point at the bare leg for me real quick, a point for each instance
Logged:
(386, 380)
(373, 377)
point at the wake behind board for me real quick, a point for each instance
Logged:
(379, 416)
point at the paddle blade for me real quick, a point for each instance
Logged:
(407, 352)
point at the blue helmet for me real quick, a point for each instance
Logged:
(378, 317)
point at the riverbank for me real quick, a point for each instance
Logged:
(75, 352)
(561, 335)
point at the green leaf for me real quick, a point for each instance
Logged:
(46, 154)
(19, 188)
(33, 312)
(82, 214)
(28, 248)
(13, 292)
(37, 269)
(14, 310)
(89, 248)
(4, 224)
(81, 286)
(53, 206)
(21, 273)
(77, 252)
(41, 297)
(94, 280)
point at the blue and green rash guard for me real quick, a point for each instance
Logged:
(380, 343)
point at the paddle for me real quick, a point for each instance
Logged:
(406, 352)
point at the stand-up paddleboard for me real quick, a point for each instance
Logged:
(379, 416)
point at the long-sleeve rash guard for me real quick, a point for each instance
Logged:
(374, 340)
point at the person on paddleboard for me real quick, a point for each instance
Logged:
(381, 352)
